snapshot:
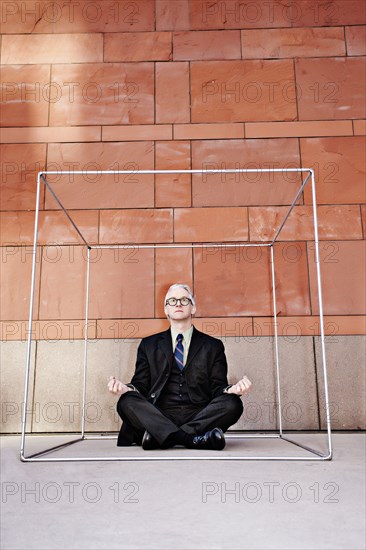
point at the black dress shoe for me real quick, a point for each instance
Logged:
(149, 443)
(212, 441)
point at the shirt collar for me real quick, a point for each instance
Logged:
(187, 335)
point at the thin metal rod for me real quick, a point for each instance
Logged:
(30, 322)
(85, 341)
(160, 457)
(172, 458)
(310, 449)
(227, 436)
(127, 246)
(291, 207)
(279, 408)
(321, 316)
(64, 209)
(202, 171)
(57, 447)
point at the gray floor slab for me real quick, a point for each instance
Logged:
(184, 505)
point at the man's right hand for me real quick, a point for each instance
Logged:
(117, 387)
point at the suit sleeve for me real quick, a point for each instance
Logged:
(218, 378)
(141, 379)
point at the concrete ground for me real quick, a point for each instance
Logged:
(201, 504)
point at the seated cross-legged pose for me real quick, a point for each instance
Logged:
(179, 394)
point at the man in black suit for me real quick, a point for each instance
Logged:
(179, 394)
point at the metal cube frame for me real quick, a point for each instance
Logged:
(306, 174)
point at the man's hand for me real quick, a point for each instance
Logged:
(117, 387)
(242, 387)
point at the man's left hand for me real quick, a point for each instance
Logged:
(242, 387)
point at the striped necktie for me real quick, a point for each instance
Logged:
(179, 352)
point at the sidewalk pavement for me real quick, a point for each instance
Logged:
(184, 505)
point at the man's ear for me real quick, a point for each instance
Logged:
(193, 310)
(166, 312)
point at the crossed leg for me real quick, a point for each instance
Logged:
(222, 412)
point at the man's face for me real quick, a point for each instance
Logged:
(179, 312)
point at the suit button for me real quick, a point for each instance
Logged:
(153, 395)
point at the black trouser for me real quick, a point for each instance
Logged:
(222, 412)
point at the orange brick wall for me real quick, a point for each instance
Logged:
(179, 84)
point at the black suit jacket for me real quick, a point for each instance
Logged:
(205, 369)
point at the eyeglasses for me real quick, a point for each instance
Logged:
(183, 301)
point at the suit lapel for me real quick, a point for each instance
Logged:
(165, 344)
(195, 345)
